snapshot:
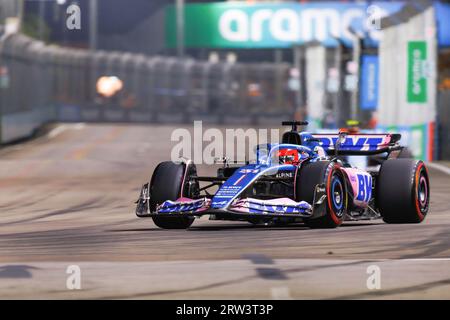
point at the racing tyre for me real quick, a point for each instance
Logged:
(329, 174)
(403, 191)
(167, 184)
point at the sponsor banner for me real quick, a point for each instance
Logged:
(442, 11)
(418, 138)
(417, 72)
(277, 25)
(369, 82)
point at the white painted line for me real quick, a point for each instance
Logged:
(439, 167)
(410, 260)
(57, 131)
(79, 126)
(422, 259)
(60, 129)
(280, 293)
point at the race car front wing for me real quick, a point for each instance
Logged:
(245, 207)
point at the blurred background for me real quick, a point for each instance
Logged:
(384, 64)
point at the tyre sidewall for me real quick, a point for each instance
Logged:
(167, 183)
(397, 192)
(322, 172)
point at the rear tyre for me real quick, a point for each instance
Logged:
(403, 191)
(167, 184)
(329, 174)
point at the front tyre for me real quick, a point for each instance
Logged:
(329, 174)
(403, 191)
(170, 182)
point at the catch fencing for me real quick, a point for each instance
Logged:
(41, 83)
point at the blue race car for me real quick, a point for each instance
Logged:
(306, 178)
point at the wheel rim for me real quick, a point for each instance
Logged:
(337, 195)
(422, 192)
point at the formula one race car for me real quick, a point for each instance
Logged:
(303, 179)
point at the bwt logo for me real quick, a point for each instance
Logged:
(289, 25)
(364, 187)
(356, 143)
(73, 21)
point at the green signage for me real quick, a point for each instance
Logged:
(417, 79)
(200, 26)
(271, 25)
(418, 138)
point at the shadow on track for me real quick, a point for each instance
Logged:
(248, 226)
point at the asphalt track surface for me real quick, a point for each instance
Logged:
(68, 199)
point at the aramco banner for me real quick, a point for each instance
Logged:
(277, 25)
(417, 72)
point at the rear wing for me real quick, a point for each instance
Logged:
(359, 144)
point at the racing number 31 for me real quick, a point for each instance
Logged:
(364, 187)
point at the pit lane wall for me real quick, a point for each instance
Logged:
(25, 88)
(408, 81)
